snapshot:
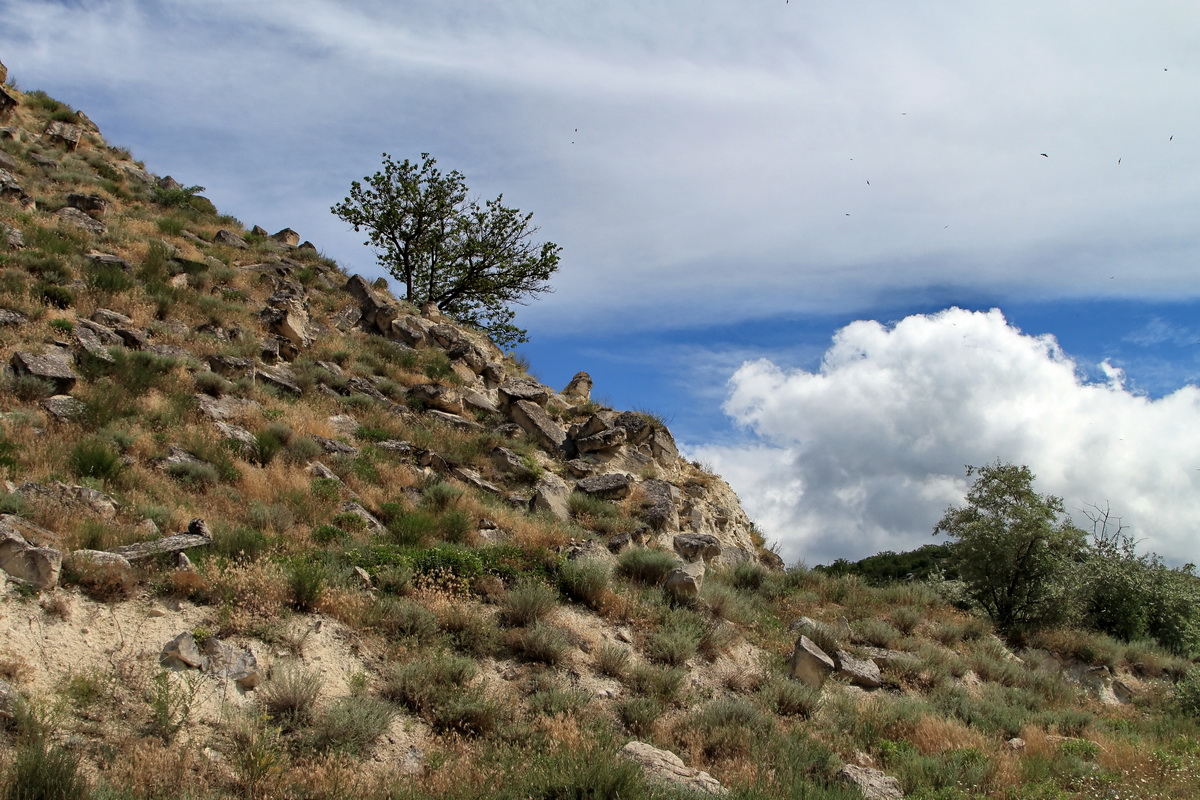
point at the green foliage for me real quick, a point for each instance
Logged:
(307, 581)
(1187, 693)
(171, 697)
(646, 566)
(528, 603)
(1013, 548)
(350, 725)
(176, 197)
(543, 643)
(888, 567)
(240, 544)
(584, 581)
(95, 458)
(290, 696)
(472, 261)
(42, 770)
(790, 698)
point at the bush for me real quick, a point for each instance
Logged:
(645, 566)
(350, 725)
(748, 576)
(404, 618)
(307, 581)
(196, 475)
(543, 643)
(30, 388)
(638, 715)
(584, 581)
(612, 660)
(239, 544)
(44, 771)
(1187, 693)
(329, 534)
(652, 680)
(673, 645)
(290, 696)
(527, 604)
(412, 529)
(726, 728)
(790, 698)
(93, 458)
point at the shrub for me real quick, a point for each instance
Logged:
(307, 581)
(528, 603)
(646, 566)
(543, 643)
(422, 684)
(30, 388)
(93, 458)
(329, 534)
(612, 660)
(404, 618)
(584, 581)
(211, 383)
(748, 576)
(638, 715)
(412, 529)
(290, 696)
(350, 725)
(440, 496)
(790, 698)
(239, 544)
(109, 278)
(1187, 693)
(653, 680)
(673, 645)
(52, 294)
(876, 632)
(42, 770)
(727, 727)
(196, 475)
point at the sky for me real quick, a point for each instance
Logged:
(845, 247)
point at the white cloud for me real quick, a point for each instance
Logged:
(864, 453)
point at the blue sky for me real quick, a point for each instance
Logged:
(739, 190)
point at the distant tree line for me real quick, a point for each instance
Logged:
(1021, 560)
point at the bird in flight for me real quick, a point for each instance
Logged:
(1118, 161)
(1044, 155)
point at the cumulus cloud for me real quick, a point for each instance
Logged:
(864, 453)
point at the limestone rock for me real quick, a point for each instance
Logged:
(7, 101)
(872, 784)
(685, 582)
(552, 495)
(607, 439)
(506, 460)
(85, 562)
(239, 436)
(697, 546)
(613, 485)
(525, 389)
(38, 566)
(181, 653)
(667, 769)
(53, 366)
(229, 663)
(579, 389)
(434, 395)
(281, 377)
(12, 319)
(100, 504)
(411, 330)
(75, 217)
(287, 236)
(534, 420)
(637, 428)
(168, 544)
(223, 408)
(63, 407)
(861, 671)
(63, 134)
(658, 505)
(810, 664)
(370, 521)
(92, 205)
(230, 239)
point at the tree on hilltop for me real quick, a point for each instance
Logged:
(473, 261)
(1016, 551)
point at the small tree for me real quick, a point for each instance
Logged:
(1015, 549)
(474, 261)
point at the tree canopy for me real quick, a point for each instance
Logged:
(473, 261)
(1015, 550)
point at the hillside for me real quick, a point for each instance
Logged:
(270, 532)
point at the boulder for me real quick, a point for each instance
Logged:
(64, 408)
(637, 428)
(100, 504)
(10, 702)
(442, 398)
(697, 546)
(92, 205)
(810, 664)
(525, 389)
(411, 330)
(7, 103)
(668, 770)
(78, 219)
(182, 653)
(552, 494)
(12, 319)
(280, 377)
(579, 390)
(53, 366)
(286, 315)
(97, 564)
(241, 438)
(613, 485)
(506, 460)
(605, 440)
(40, 567)
(861, 671)
(685, 582)
(872, 784)
(223, 408)
(63, 134)
(658, 505)
(230, 663)
(534, 420)
(10, 187)
(334, 447)
(287, 237)
(110, 318)
(230, 239)
(168, 544)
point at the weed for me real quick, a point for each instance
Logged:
(290, 696)
(350, 725)
(172, 696)
(645, 566)
(528, 603)
(307, 581)
(584, 581)
(543, 643)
